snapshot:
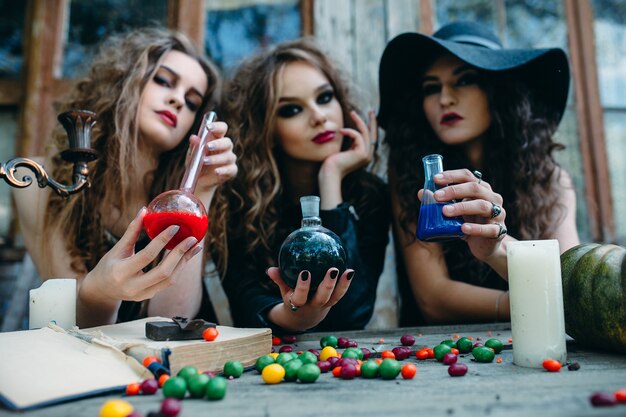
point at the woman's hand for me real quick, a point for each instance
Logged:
(298, 312)
(337, 166)
(220, 163)
(119, 275)
(480, 207)
(360, 152)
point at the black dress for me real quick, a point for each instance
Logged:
(362, 222)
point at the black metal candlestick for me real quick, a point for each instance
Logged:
(78, 125)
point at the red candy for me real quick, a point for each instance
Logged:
(457, 369)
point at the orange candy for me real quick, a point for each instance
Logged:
(162, 379)
(337, 371)
(499, 360)
(455, 351)
(552, 365)
(133, 388)
(210, 334)
(620, 395)
(149, 359)
(408, 371)
(422, 354)
(387, 354)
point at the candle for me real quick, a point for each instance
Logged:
(54, 301)
(536, 298)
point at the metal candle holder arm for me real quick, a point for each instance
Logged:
(78, 125)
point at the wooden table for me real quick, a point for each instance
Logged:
(488, 389)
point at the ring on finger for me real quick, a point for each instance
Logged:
(293, 307)
(502, 230)
(495, 210)
(478, 175)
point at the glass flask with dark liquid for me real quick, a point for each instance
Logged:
(432, 225)
(312, 247)
(181, 207)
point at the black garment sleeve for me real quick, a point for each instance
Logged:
(365, 235)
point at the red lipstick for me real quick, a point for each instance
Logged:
(450, 119)
(324, 137)
(168, 117)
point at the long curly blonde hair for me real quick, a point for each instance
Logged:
(112, 89)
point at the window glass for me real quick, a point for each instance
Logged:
(530, 24)
(235, 30)
(11, 38)
(8, 129)
(610, 45)
(90, 21)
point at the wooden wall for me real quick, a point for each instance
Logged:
(355, 32)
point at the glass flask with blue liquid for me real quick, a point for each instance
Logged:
(312, 247)
(432, 225)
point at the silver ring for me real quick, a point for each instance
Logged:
(478, 175)
(495, 210)
(293, 307)
(502, 230)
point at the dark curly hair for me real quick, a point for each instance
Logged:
(518, 156)
(249, 105)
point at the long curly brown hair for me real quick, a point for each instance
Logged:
(112, 89)
(250, 105)
(518, 156)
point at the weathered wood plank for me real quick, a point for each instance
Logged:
(369, 42)
(402, 16)
(334, 31)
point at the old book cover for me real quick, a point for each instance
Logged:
(244, 345)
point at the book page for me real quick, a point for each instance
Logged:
(45, 366)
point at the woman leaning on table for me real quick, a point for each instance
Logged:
(491, 113)
(297, 133)
(149, 89)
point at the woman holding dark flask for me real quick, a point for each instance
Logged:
(149, 89)
(491, 113)
(297, 134)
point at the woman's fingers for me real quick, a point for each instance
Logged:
(342, 287)
(480, 208)
(300, 294)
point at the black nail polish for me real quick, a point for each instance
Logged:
(305, 275)
(333, 274)
(350, 275)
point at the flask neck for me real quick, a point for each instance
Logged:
(311, 221)
(196, 154)
(433, 164)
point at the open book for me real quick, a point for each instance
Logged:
(51, 365)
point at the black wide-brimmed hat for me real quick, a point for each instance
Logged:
(544, 71)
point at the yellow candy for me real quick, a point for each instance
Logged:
(274, 355)
(328, 352)
(116, 408)
(273, 373)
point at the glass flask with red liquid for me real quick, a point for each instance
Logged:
(432, 225)
(181, 207)
(312, 247)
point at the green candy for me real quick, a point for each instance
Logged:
(369, 369)
(441, 350)
(216, 388)
(308, 373)
(464, 345)
(175, 387)
(197, 385)
(483, 354)
(328, 341)
(233, 368)
(263, 361)
(494, 344)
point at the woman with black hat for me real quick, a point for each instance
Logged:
(490, 112)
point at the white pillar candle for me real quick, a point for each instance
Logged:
(54, 301)
(536, 298)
